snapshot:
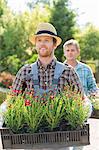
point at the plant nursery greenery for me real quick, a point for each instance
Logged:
(28, 113)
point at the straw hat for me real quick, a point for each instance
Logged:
(45, 29)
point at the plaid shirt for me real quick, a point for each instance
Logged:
(87, 78)
(45, 75)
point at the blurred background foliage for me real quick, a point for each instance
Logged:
(15, 29)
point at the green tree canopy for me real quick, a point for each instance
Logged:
(89, 43)
(63, 18)
(15, 48)
(14, 41)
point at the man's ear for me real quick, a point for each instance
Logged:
(55, 46)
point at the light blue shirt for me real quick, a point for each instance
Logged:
(87, 78)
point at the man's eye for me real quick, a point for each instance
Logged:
(47, 40)
(39, 40)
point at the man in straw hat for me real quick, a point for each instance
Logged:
(46, 41)
(46, 74)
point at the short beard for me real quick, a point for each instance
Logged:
(47, 54)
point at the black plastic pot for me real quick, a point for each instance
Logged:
(57, 139)
(95, 114)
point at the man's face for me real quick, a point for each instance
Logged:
(45, 46)
(71, 52)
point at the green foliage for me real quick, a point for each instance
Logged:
(32, 59)
(47, 111)
(54, 111)
(14, 117)
(96, 104)
(3, 7)
(14, 41)
(2, 97)
(23, 109)
(14, 63)
(95, 101)
(63, 18)
(14, 34)
(76, 112)
(33, 113)
(89, 43)
(39, 14)
(32, 4)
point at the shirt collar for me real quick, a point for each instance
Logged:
(51, 65)
(79, 65)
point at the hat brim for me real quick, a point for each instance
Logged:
(32, 38)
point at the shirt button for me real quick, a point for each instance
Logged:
(45, 83)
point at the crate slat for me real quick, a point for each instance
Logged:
(45, 140)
